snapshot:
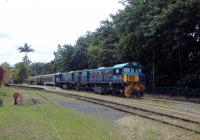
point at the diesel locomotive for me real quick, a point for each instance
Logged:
(124, 79)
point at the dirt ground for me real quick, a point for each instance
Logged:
(137, 128)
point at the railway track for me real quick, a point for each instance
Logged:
(177, 105)
(186, 104)
(167, 119)
(168, 116)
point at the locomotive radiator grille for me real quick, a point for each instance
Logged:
(131, 78)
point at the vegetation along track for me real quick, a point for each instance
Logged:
(182, 120)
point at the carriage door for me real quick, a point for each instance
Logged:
(88, 75)
(72, 76)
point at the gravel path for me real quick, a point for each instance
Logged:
(89, 108)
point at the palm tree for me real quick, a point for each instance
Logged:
(26, 49)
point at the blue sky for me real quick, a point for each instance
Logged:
(46, 23)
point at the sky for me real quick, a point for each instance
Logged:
(44, 24)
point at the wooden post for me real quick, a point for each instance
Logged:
(15, 96)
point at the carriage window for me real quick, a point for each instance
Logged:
(132, 70)
(126, 69)
(140, 70)
(117, 70)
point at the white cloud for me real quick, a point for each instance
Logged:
(46, 23)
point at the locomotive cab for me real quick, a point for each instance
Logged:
(132, 78)
(133, 74)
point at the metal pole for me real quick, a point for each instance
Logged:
(153, 72)
(181, 71)
(180, 64)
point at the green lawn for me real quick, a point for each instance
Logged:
(47, 121)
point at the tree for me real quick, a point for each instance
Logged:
(162, 35)
(26, 49)
(2, 73)
(5, 73)
(49, 68)
(20, 72)
(64, 58)
(37, 68)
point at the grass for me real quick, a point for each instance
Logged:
(150, 134)
(44, 120)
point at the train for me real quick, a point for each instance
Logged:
(124, 79)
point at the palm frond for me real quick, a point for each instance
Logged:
(26, 48)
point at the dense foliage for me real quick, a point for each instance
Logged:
(20, 73)
(162, 35)
(5, 74)
(159, 34)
